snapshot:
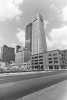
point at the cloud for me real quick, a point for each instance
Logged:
(64, 13)
(9, 9)
(58, 38)
(21, 36)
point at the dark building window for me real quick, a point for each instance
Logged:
(40, 56)
(36, 57)
(49, 58)
(40, 59)
(55, 58)
(56, 67)
(42, 67)
(32, 57)
(36, 60)
(36, 63)
(49, 55)
(50, 67)
(54, 54)
(40, 62)
(55, 62)
(50, 62)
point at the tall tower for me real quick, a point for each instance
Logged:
(28, 37)
(35, 42)
(39, 46)
(28, 42)
(38, 35)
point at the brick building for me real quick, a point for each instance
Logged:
(7, 54)
(56, 59)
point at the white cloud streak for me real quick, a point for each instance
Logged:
(58, 38)
(9, 9)
(21, 36)
(64, 13)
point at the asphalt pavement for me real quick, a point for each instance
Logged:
(15, 86)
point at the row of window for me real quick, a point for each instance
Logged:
(55, 54)
(38, 67)
(37, 63)
(54, 67)
(52, 62)
(53, 58)
(37, 60)
(37, 57)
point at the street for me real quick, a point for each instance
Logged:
(15, 86)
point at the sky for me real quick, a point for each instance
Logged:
(15, 14)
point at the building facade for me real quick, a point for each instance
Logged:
(39, 46)
(28, 42)
(38, 35)
(7, 54)
(28, 37)
(27, 55)
(64, 59)
(19, 56)
(56, 59)
(38, 62)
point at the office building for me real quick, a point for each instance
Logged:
(7, 54)
(27, 55)
(28, 37)
(28, 42)
(38, 62)
(64, 59)
(39, 46)
(56, 59)
(38, 35)
(19, 56)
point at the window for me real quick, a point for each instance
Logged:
(40, 59)
(56, 67)
(55, 58)
(54, 54)
(42, 67)
(40, 56)
(36, 57)
(49, 55)
(50, 67)
(49, 58)
(36, 60)
(32, 57)
(40, 62)
(36, 63)
(50, 62)
(55, 62)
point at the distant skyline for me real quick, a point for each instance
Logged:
(15, 14)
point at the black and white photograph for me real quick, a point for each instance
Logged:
(33, 49)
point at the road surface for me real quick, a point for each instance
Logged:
(18, 85)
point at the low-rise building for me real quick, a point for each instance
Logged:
(7, 54)
(27, 66)
(64, 59)
(38, 62)
(56, 59)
